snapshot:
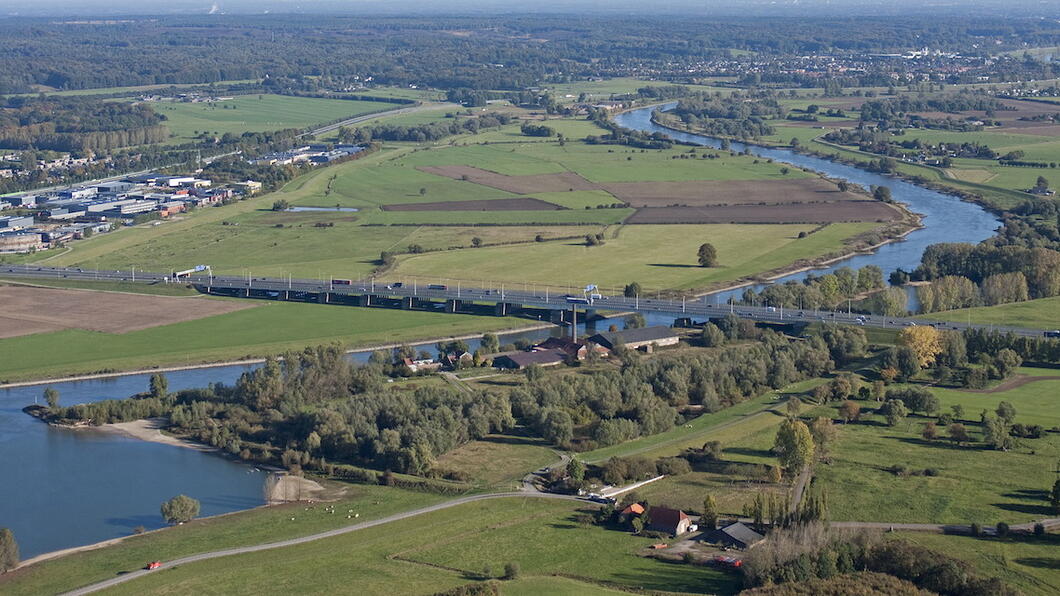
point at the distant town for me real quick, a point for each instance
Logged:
(43, 220)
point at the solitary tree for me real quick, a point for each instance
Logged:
(709, 519)
(958, 433)
(180, 509)
(511, 570)
(8, 550)
(1054, 496)
(849, 411)
(708, 255)
(51, 397)
(476, 242)
(931, 432)
(1042, 183)
(576, 471)
(895, 411)
(793, 405)
(159, 386)
(882, 193)
(632, 290)
(925, 341)
(1006, 411)
(794, 445)
(843, 186)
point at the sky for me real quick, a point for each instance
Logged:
(110, 8)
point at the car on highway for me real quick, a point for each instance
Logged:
(1053, 333)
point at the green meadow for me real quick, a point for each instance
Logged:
(446, 548)
(974, 483)
(268, 328)
(247, 113)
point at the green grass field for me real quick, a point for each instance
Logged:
(656, 256)
(1025, 562)
(246, 527)
(446, 548)
(270, 112)
(1043, 313)
(498, 461)
(974, 483)
(270, 328)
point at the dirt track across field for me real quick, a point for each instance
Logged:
(520, 204)
(841, 211)
(799, 200)
(1014, 382)
(520, 185)
(695, 193)
(28, 310)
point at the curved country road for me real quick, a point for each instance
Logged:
(528, 492)
(310, 538)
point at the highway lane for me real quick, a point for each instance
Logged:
(698, 309)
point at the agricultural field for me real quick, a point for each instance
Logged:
(267, 328)
(247, 113)
(446, 548)
(656, 256)
(973, 483)
(533, 197)
(29, 310)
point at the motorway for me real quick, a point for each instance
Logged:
(699, 308)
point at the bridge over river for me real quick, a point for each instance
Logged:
(532, 303)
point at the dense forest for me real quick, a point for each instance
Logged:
(316, 406)
(78, 126)
(510, 52)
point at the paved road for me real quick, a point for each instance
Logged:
(310, 538)
(699, 308)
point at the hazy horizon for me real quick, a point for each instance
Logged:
(749, 8)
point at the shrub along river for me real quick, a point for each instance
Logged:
(62, 488)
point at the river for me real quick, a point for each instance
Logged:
(945, 218)
(62, 488)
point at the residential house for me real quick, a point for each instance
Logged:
(645, 337)
(423, 364)
(572, 348)
(521, 360)
(671, 521)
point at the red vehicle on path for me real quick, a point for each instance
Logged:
(154, 565)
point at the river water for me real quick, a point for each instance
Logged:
(945, 218)
(61, 488)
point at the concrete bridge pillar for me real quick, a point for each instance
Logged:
(408, 302)
(503, 309)
(453, 305)
(323, 297)
(558, 317)
(364, 300)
